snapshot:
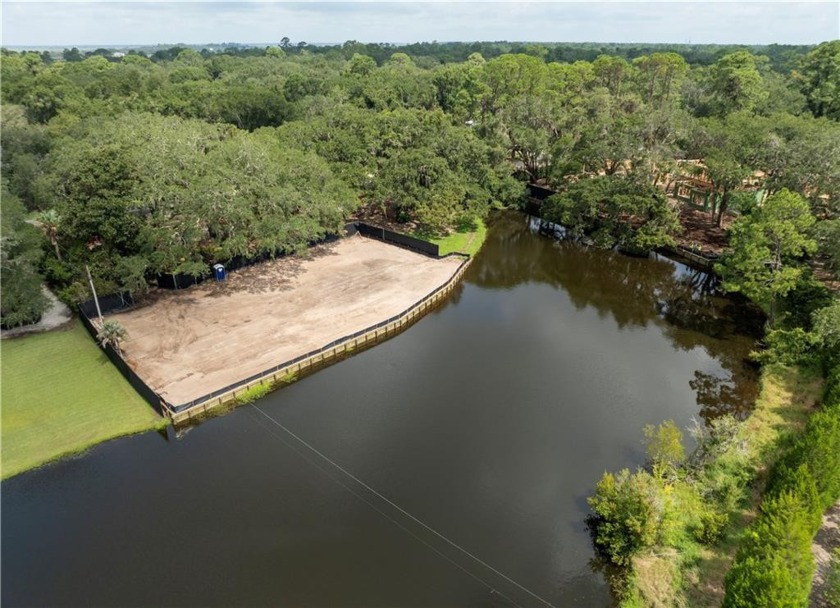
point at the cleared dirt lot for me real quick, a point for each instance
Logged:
(187, 343)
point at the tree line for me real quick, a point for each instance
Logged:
(140, 166)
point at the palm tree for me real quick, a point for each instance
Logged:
(50, 221)
(112, 332)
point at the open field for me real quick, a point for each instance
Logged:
(61, 395)
(188, 343)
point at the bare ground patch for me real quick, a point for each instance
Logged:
(825, 543)
(187, 343)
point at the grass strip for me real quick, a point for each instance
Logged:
(60, 395)
(708, 513)
(462, 240)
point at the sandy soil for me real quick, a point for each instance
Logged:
(827, 540)
(187, 343)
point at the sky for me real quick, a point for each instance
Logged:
(119, 23)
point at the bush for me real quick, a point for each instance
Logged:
(664, 446)
(787, 347)
(831, 392)
(628, 513)
(23, 301)
(817, 452)
(774, 566)
(712, 526)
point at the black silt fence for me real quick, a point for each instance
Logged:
(403, 240)
(177, 281)
(177, 409)
(237, 262)
(539, 193)
(111, 303)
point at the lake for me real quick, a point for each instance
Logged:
(448, 466)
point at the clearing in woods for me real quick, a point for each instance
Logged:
(185, 344)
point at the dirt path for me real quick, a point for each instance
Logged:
(57, 315)
(188, 343)
(826, 541)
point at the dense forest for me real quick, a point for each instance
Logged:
(147, 163)
(140, 166)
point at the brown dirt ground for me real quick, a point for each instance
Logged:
(700, 232)
(827, 540)
(187, 343)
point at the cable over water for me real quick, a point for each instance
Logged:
(402, 511)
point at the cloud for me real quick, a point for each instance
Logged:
(121, 22)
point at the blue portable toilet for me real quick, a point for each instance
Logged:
(219, 272)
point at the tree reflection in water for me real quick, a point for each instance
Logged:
(686, 303)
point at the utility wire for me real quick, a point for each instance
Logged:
(347, 487)
(410, 516)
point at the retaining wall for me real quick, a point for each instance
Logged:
(329, 353)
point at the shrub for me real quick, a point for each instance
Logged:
(787, 347)
(713, 440)
(628, 513)
(816, 451)
(664, 446)
(831, 392)
(773, 567)
(712, 526)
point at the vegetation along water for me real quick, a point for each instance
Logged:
(491, 420)
(457, 463)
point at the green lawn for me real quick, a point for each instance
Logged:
(462, 241)
(59, 395)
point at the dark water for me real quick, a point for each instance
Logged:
(490, 421)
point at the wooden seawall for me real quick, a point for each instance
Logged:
(184, 413)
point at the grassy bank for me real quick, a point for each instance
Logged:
(61, 395)
(787, 398)
(463, 240)
(706, 503)
(774, 565)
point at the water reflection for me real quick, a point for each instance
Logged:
(490, 421)
(685, 303)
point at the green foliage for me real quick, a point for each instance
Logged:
(765, 247)
(254, 393)
(628, 514)
(819, 79)
(774, 565)
(111, 334)
(736, 83)
(827, 234)
(614, 211)
(664, 446)
(798, 306)
(184, 195)
(816, 454)
(20, 251)
(787, 347)
(712, 526)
